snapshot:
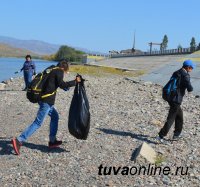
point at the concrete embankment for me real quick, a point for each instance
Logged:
(147, 63)
(158, 69)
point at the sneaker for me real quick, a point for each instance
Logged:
(16, 145)
(159, 139)
(175, 138)
(56, 143)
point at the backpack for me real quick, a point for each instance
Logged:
(34, 91)
(171, 90)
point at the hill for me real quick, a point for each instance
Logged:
(38, 47)
(8, 51)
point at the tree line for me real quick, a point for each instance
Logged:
(193, 45)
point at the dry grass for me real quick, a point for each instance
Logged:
(197, 52)
(103, 71)
(193, 59)
(96, 57)
(159, 160)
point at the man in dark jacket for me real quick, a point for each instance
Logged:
(175, 111)
(46, 107)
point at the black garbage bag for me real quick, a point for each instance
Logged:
(79, 115)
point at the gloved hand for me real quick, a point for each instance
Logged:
(78, 78)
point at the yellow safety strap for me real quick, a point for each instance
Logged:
(38, 83)
(39, 90)
(47, 95)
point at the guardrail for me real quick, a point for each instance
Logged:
(156, 53)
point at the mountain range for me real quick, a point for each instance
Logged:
(8, 51)
(36, 46)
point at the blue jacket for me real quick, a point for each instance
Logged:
(29, 66)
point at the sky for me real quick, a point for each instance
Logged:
(102, 25)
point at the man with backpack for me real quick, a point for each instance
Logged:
(46, 106)
(182, 80)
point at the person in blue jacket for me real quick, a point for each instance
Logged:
(175, 112)
(29, 70)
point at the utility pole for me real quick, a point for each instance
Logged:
(133, 49)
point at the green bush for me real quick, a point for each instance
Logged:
(66, 52)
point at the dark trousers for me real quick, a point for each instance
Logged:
(175, 114)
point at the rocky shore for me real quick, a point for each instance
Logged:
(124, 114)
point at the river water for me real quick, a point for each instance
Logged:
(8, 67)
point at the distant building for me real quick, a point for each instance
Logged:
(114, 52)
(131, 51)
